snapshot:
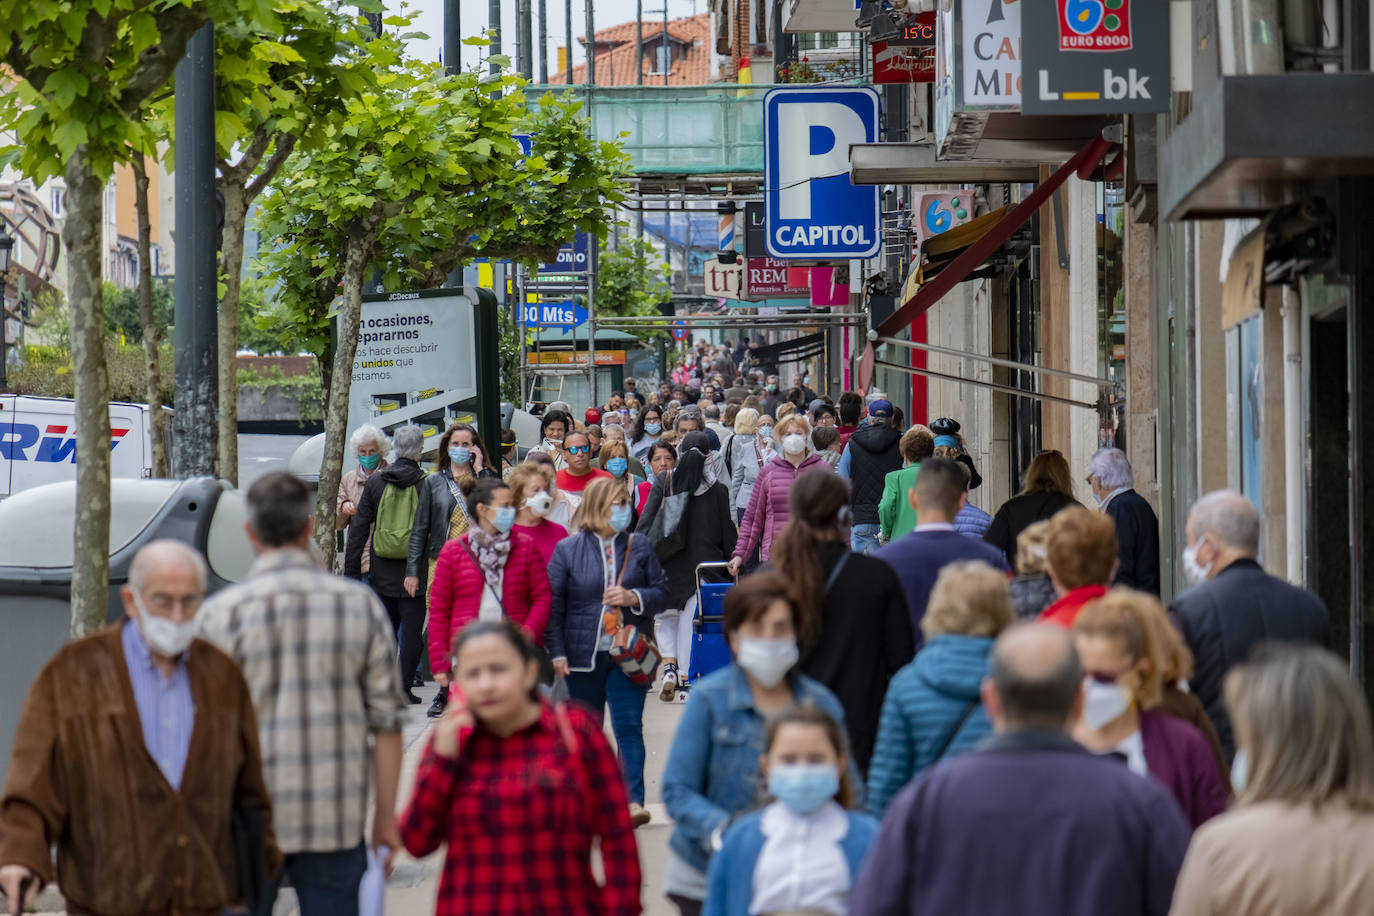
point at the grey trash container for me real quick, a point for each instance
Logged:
(37, 556)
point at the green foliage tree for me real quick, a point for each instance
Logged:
(88, 69)
(418, 173)
(632, 279)
(121, 310)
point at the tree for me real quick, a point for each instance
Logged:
(152, 331)
(419, 173)
(88, 69)
(632, 279)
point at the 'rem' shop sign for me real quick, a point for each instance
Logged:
(1095, 56)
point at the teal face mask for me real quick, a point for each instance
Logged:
(617, 466)
(620, 518)
(369, 462)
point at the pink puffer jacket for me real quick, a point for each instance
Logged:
(767, 511)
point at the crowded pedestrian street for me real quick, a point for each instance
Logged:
(786, 458)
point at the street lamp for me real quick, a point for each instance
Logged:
(6, 248)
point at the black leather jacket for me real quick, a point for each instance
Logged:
(432, 518)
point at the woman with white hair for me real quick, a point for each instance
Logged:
(1137, 526)
(370, 446)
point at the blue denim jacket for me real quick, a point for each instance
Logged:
(712, 775)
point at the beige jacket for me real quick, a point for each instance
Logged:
(351, 491)
(1275, 859)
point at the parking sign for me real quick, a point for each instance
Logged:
(813, 210)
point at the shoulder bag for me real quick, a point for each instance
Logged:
(666, 532)
(633, 651)
(954, 732)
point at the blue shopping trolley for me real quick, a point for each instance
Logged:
(710, 651)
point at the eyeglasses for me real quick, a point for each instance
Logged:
(579, 449)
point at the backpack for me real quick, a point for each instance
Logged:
(395, 518)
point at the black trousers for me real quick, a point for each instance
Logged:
(408, 619)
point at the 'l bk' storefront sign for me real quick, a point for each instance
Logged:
(1095, 56)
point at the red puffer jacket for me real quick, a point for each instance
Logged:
(456, 594)
(768, 511)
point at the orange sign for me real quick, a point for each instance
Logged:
(570, 357)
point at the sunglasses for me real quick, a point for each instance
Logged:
(579, 449)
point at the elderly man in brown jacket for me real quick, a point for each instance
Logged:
(133, 750)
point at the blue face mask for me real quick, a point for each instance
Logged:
(504, 518)
(620, 518)
(459, 454)
(617, 466)
(803, 787)
(653, 429)
(369, 462)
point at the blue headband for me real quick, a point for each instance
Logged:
(947, 441)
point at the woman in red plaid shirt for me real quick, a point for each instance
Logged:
(518, 789)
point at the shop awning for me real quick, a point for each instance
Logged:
(940, 251)
(992, 237)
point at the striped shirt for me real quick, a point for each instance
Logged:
(319, 657)
(164, 705)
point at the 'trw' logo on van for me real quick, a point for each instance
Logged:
(56, 444)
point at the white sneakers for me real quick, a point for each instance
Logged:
(667, 691)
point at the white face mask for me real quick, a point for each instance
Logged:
(540, 503)
(1103, 703)
(767, 660)
(1240, 770)
(162, 636)
(794, 443)
(1194, 573)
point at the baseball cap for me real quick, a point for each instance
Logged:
(880, 408)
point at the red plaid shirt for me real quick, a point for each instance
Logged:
(519, 815)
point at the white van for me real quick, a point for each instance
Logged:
(38, 441)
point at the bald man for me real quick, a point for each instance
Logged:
(1233, 603)
(134, 748)
(1027, 821)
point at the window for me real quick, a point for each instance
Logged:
(663, 58)
(59, 201)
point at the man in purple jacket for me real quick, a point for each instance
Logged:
(940, 492)
(1028, 821)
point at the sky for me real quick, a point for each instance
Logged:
(473, 18)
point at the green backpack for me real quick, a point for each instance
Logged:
(395, 518)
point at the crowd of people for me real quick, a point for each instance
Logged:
(922, 706)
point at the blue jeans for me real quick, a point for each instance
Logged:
(864, 538)
(326, 883)
(607, 684)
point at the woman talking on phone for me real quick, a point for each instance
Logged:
(519, 790)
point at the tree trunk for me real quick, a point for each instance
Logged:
(356, 257)
(152, 334)
(81, 237)
(230, 268)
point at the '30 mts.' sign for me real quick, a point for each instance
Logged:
(813, 211)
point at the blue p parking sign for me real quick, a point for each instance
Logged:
(813, 210)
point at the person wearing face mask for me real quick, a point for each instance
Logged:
(534, 502)
(1122, 690)
(768, 510)
(648, 427)
(635, 466)
(615, 460)
(662, 458)
(1137, 526)
(521, 792)
(713, 774)
(489, 573)
(803, 851)
(554, 425)
(744, 456)
(1297, 841)
(707, 534)
(1076, 834)
(105, 772)
(604, 577)
(370, 445)
(1233, 604)
(441, 514)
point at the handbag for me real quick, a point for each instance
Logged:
(633, 651)
(666, 532)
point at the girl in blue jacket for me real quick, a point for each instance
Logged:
(802, 853)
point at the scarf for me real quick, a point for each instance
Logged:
(492, 551)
